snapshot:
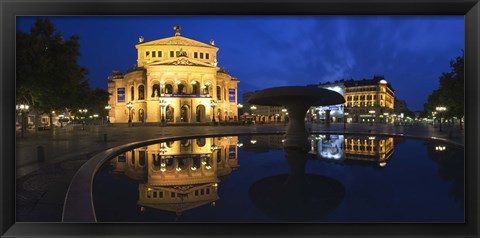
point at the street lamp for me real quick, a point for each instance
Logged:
(440, 111)
(213, 103)
(284, 112)
(239, 107)
(129, 106)
(83, 112)
(253, 108)
(163, 104)
(372, 112)
(108, 107)
(95, 116)
(22, 109)
(61, 116)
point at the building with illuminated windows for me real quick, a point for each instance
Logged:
(366, 101)
(361, 149)
(179, 175)
(176, 80)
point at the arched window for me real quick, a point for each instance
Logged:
(132, 93)
(219, 93)
(155, 90)
(200, 113)
(201, 142)
(169, 88)
(141, 158)
(181, 89)
(169, 112)
(141, 115)
(196, 87)
(206, 89)
(141, 92)
(185, 142)
(184, 114)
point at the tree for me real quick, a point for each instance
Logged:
(48, 75)
(450, 93)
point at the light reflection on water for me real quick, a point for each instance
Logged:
(252, 179)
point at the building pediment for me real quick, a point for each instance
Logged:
(176, 40)
(183, 60)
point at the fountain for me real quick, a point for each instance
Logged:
(297, 100)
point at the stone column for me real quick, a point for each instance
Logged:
(296, 135)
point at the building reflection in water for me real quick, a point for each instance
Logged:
(180, 175)
(177, 176)
(364, 149)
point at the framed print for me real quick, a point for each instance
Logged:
(251, 119)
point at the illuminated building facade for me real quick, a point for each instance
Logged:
(366, 101)
(180, 175)
(264, 114)
(370, 100)
(176, 80)
(348, 149)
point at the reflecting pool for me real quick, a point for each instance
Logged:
(341, 178)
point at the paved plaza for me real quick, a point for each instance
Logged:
(41, 186)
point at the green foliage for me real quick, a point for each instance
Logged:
(450, 94)
(48, 75)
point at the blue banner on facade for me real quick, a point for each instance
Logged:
(231, 95)
(121, 158)
(186, 95)
(193, 156)
(120, 94)
(232, 154)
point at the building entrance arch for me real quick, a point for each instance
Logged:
(141, 115)
(169, 113)
(200, 113)
(184, 113)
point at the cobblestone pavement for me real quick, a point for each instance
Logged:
(41, 186)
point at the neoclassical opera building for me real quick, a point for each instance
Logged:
(176, 80)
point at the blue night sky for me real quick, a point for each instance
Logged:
(269, 51)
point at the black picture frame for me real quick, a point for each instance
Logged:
(9, 9)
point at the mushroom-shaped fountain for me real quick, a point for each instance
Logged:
(297, 100)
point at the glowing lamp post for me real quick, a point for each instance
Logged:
(95, 117)
(61, 117)
(129, 106)
(440, 111)
(163, 104)
(284, 111)
(22, 109)
(253, 108)
(108, 107)
(213, 103)
(83, 112)
(239, 111)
